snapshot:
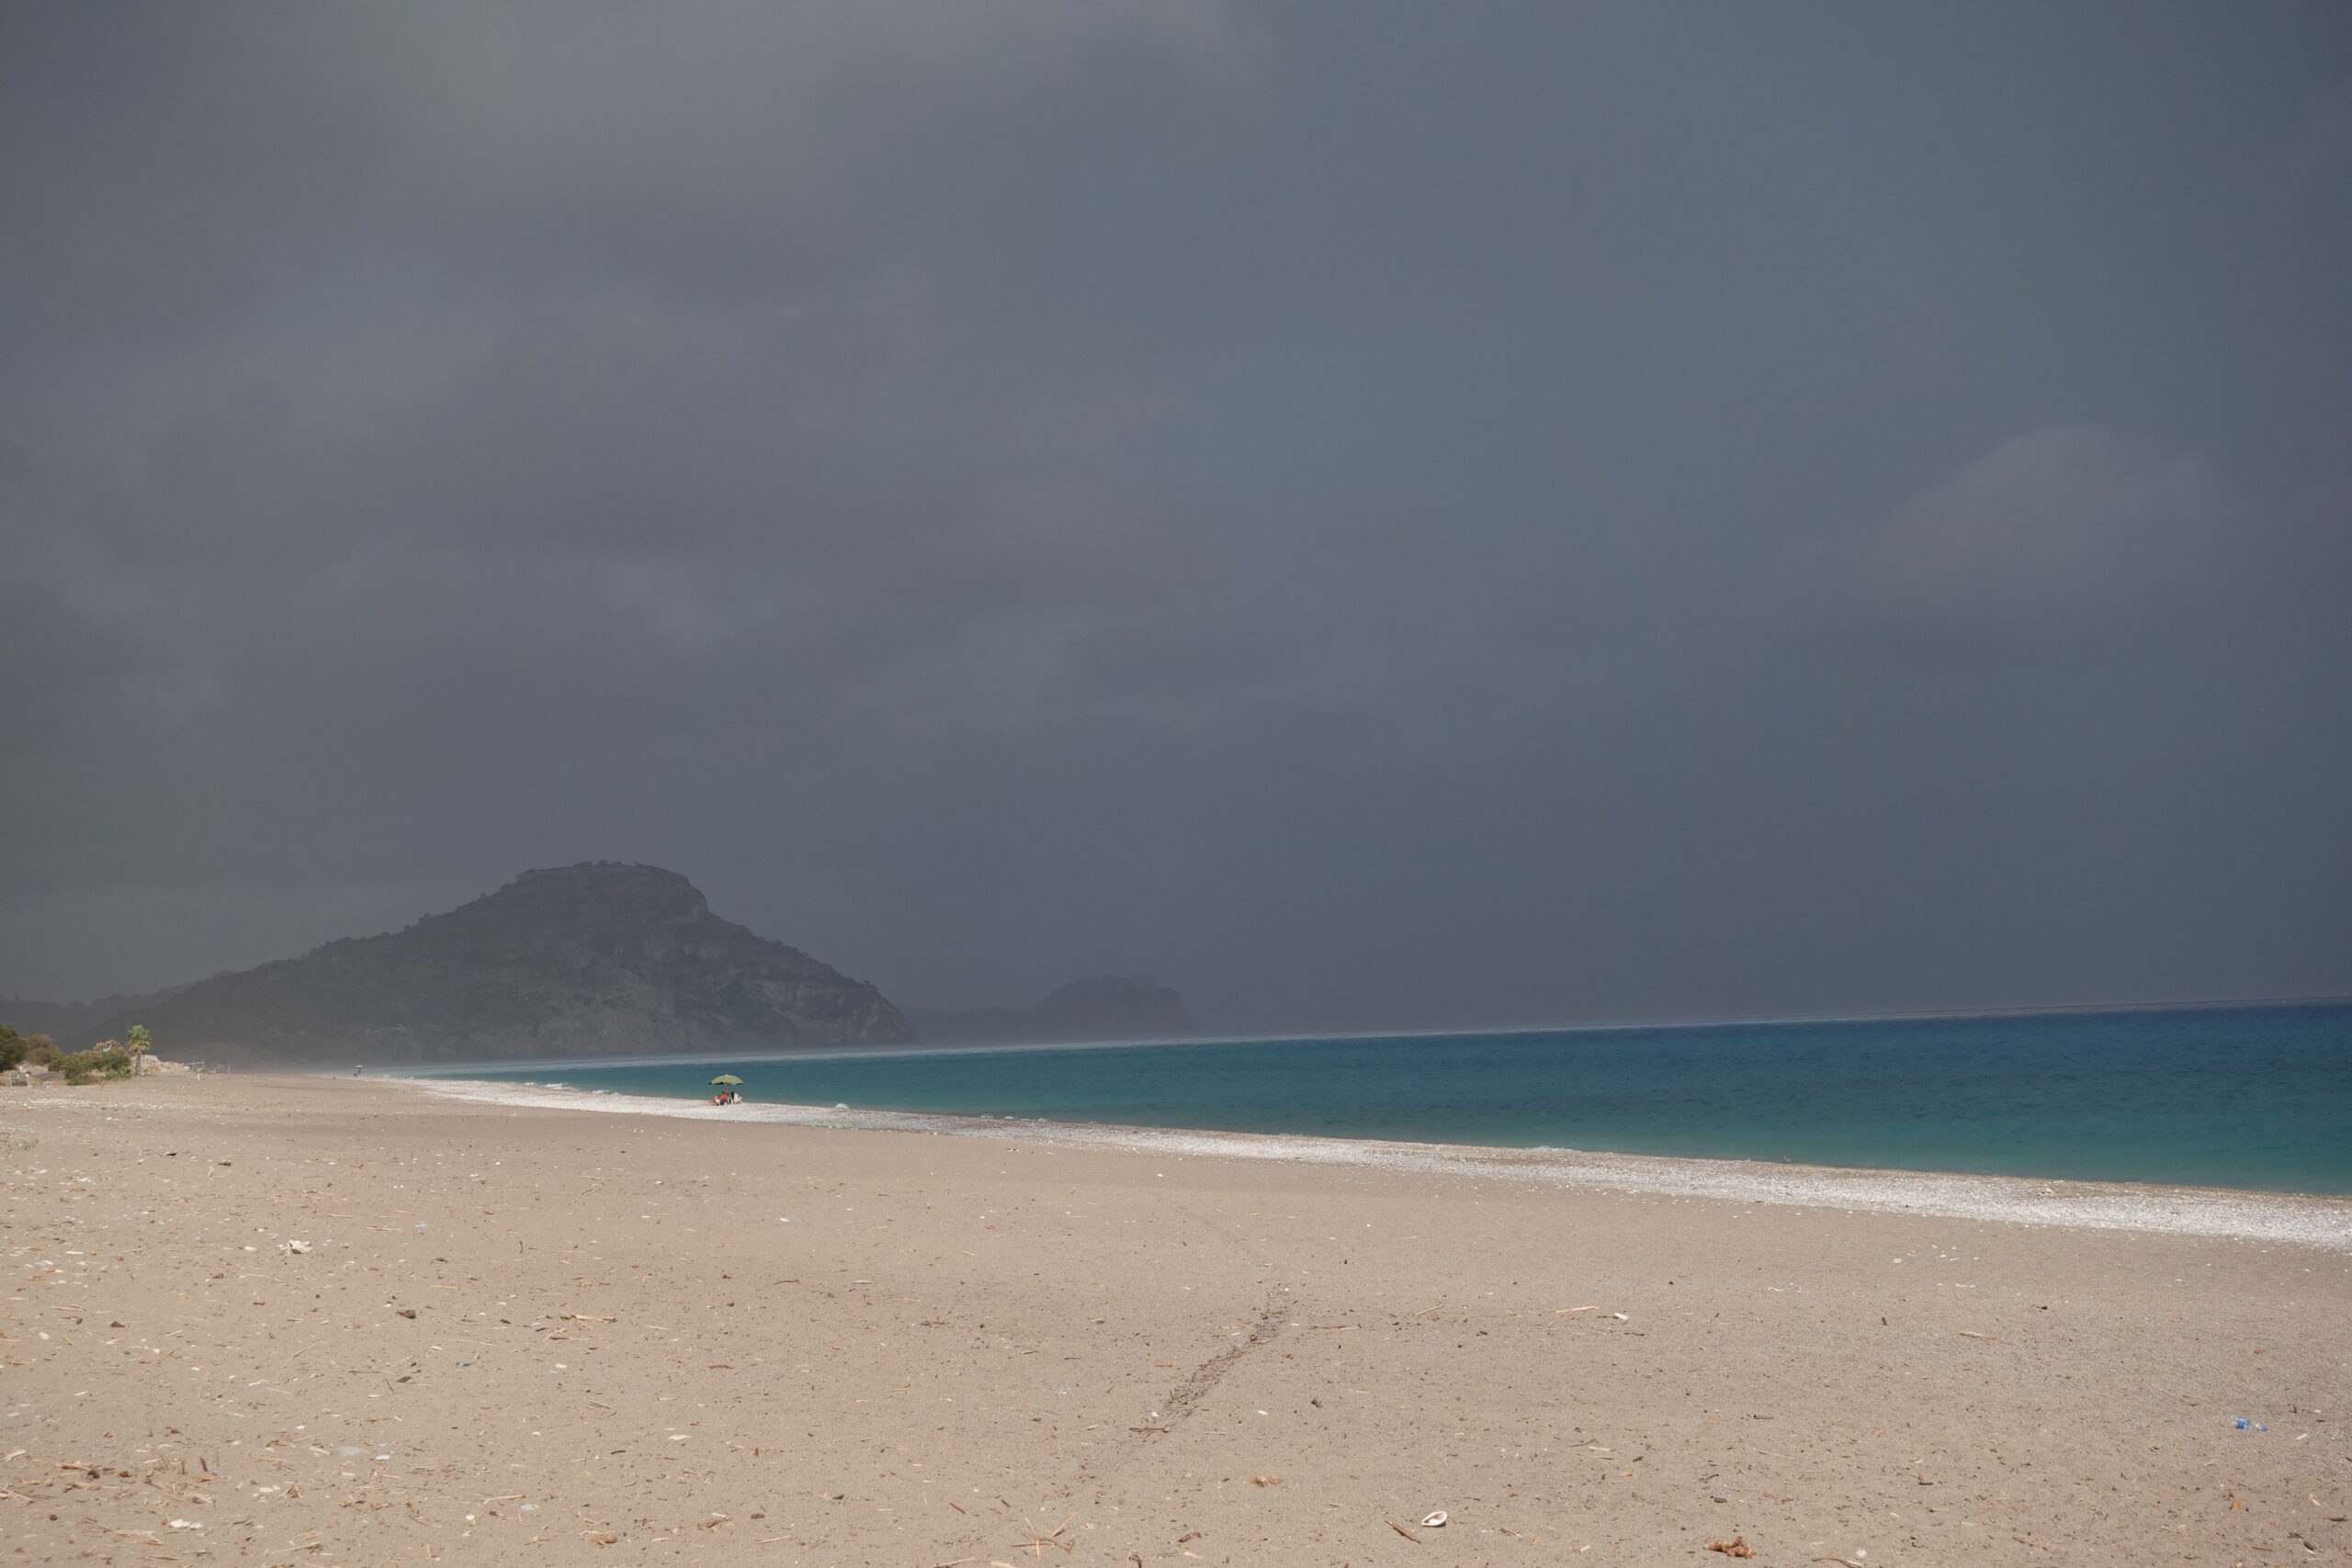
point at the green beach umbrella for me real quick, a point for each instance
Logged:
(727, 1078)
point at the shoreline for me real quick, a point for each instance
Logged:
(2322, 1222)
(276, 1319)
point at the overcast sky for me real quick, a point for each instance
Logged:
(1373, 513)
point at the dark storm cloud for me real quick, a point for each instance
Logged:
(1374, 513)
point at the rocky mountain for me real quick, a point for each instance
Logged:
(593, 960)
(1107, 1007)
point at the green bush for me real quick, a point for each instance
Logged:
(106, 1060)
(14, 1047)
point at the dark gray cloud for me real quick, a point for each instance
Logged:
(1373, 513)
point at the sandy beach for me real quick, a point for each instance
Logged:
(286, 1320)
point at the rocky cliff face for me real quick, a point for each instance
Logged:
(590, 960)
(1107, 1007)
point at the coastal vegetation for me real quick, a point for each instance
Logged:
(20, 1050)
(106, 1059)
(109, 1059)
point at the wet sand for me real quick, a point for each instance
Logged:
(319, 1320)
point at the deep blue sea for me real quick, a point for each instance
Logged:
(2257, 1097)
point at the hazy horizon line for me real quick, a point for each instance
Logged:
(917, 1048)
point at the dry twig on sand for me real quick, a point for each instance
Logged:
(1040, 1540)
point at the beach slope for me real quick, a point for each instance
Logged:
(280, 1320)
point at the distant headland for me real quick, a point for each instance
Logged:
(599, 959)
(1108, 1006)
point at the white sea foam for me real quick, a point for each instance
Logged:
(2279, 1218)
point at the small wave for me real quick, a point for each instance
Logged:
(2279, 1218)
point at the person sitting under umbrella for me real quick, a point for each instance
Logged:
(726, 1084)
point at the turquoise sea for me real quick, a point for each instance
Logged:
(2251, 1097)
